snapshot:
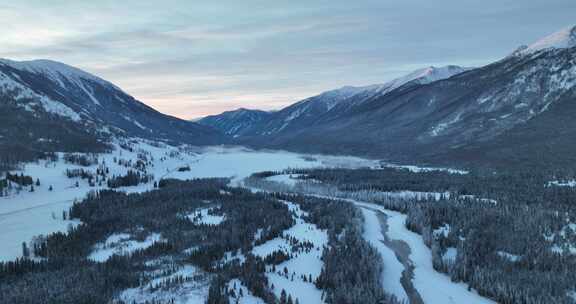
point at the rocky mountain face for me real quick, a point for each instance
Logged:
(516, 109)
(66, 108)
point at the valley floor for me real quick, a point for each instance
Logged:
(408, 273)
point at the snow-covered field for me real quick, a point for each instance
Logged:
(26, 214)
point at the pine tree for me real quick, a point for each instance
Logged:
(25, 250)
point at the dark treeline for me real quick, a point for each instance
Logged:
(16, 182)
(131, 178)
(84, 159)
(526, 187)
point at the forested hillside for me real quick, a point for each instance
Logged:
(509, 236)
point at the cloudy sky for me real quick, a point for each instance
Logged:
(193, 58)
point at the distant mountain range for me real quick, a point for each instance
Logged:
(49, 106)
(243, 122)
(519, 110)
(514, 111)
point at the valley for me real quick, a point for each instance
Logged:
(407, 273)
(446, 184)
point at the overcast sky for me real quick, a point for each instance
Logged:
(193, 58)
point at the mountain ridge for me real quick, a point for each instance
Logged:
(80, 107)
(478, 111)
(305, 112)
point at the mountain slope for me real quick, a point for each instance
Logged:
(492, 107)
(309, 111)
(81, 97)
(234, 122)
(49, 106)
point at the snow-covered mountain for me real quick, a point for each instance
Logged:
(519, 108)
(231, 122)
(563, 39)
(516, 108)
(308, 111)
(421, 76)
(76, 104)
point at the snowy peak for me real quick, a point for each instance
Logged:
(46, 88)
(331, 98)
(421, 76)
(563, 39)
(432, 73)
(425, 76)
(58, 72)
